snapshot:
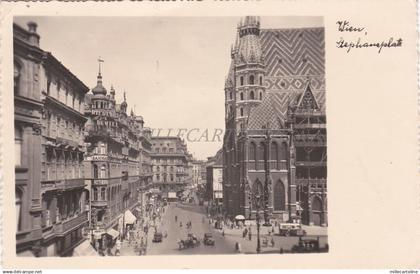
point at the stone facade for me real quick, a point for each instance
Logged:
(170, 159)
(274, 148)
(117, 164)
(49, 150)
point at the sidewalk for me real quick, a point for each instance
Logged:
(285, 243)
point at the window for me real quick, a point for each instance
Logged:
(242, 95)
(241, 80)
(261, 82)
(230, 95)
(252, 95)
(18, 201)
(275, 154)
(279, 196)
(242, 111)
(261, 96)
(18, 146)
(95, 171)
(16, 77)
(252, 154)
(251, 80)
(283, 152)
(95, 194)
(103, 194)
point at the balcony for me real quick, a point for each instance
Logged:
(99, 203)
(69, 224)
(70, 184)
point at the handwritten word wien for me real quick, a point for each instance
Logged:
(346, 27)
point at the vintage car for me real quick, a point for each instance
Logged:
(191, 241)
(208, 239)
(157, 237)
(309, 245)
(291, 229)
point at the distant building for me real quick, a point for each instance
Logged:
(274, 148)
(215, 179)
(170, 159)
(51, 210)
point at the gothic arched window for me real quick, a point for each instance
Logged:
(251, 80)
(230, 95)
(252, 96)
(261, 81)
(242, 111)
(275, 154)
(279, 196)
(242, 95)
(253, 154)
(261, 96)
(316, 204)
(242, 80)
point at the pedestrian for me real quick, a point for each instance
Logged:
(249, 235)
(223, 233)
(272, 241)
(118, 247)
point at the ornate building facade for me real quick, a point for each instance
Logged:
(117, 164)
(49, 150)
(274, 149)
(170, 159)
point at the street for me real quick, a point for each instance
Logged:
(224, 244)
(194, 214)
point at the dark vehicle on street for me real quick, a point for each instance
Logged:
(157, 237)
(208, 239)
(191, 241)
(291, 229)
(309, 245)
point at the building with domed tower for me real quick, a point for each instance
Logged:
(117, 164)
(274, 148)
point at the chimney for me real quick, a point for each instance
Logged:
(33, 36)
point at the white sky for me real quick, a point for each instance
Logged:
(172, 68)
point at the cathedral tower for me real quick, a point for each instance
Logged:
(249, 70)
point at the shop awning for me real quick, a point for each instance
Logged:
(113, 233)
(129, 218)
(84, 249)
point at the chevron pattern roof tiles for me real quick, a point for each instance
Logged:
(293, 51)
(293, 58)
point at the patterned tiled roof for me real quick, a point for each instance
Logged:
(293, 58)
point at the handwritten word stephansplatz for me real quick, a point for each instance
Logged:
(345, 26)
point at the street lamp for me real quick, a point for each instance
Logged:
(258, 224)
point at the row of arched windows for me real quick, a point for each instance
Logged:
(251, 96)
(251, 80)
(278, 155)
(106, 194)
(279, 195)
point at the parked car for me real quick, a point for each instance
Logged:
(157, 237)
(309, 245)
(291, 229)
(208, 239)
